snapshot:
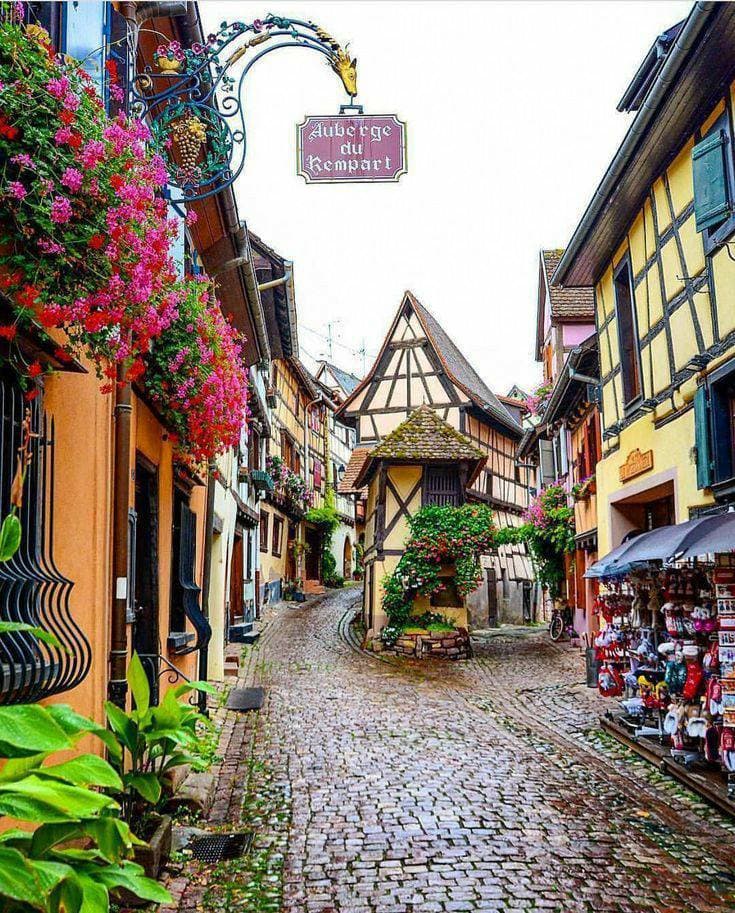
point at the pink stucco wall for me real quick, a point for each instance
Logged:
(574, 333)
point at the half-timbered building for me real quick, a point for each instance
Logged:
(656, 244)
(418, 364)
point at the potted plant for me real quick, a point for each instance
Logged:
(152, 742)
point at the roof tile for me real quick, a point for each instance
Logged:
(570, 303)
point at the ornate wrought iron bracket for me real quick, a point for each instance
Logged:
(194, 104)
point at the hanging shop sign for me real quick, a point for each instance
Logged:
(350, 149)
(636, 464)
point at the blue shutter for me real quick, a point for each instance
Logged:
(711, 197)
(86, 36)
(702, 438)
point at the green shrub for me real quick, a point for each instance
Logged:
(152, 740)
(68, 803)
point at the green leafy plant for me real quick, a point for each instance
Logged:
(548, 531)
(438, 536)
(153, 740)
(77, 853)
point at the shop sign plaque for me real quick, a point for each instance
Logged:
(636, 463)
(348, 149)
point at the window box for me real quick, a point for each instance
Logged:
(179, 640)
(261, 480)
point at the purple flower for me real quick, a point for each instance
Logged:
(24, 160)
(17, 190)
(61, 210)
(72, 178)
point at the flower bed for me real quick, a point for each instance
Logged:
(86, 249)
(288, 485)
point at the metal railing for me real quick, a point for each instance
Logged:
(32, 589)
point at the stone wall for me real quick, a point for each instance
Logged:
(439, 644)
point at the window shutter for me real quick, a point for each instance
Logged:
(546, 462)
(702, 438)
(85, 36)
(711, 198)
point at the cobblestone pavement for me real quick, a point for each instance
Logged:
(479, 785)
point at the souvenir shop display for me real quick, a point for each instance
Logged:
(667, 651)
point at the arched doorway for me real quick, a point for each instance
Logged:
(347, 559)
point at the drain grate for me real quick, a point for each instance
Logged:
(221, 846)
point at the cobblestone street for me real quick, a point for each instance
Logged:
(480, 785)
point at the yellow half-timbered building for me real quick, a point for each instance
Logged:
(656, 242)
(418, 365)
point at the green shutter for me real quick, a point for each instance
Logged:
(702, 438)
(711, 198)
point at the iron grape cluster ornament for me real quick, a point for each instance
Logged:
(194, 104)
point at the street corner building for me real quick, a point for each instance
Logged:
(654, 245)
(127, 542)
(420, 368)
(562, 436)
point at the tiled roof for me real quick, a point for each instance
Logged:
(347, 381)
(358, 458)
(425, 437)
(567, 303)
(459, 369)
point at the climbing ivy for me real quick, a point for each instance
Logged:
(438, 535)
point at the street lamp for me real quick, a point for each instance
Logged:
(194, 106)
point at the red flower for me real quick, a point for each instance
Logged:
(116, 181)
(31, 394)
(9, 279)
(75, 140)
(111, 67)
(96, 241)
(136, 370)
(8, 332)
(67, 117)
(27, 296)
(48, 318)
(7, 130)
(35, 369)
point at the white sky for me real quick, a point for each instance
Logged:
(511, 122)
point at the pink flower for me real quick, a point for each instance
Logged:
(191, 217)
(71, 101)
(58, 87)
(72, 178)
(24, 160)
(61, 210)
(17, 190)
(62, 135)
(92, 154)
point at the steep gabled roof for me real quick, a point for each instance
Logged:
(348, 382)
(570, 305)
(424, 437)
(459, 370)
(358, 458)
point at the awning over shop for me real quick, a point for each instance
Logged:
(702, 536)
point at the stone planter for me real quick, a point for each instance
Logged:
(435, 644)
(153, 856)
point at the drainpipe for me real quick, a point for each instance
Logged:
(207, 577)
(117, 685)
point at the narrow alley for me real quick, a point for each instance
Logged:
(479, 785)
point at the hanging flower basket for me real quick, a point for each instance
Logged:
(86, 249)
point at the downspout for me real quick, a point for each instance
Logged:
(117, 686)
(207, 576)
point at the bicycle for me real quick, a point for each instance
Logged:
(562, 622)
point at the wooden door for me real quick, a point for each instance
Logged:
(237, 579)
(146, 631)
(492, 598)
